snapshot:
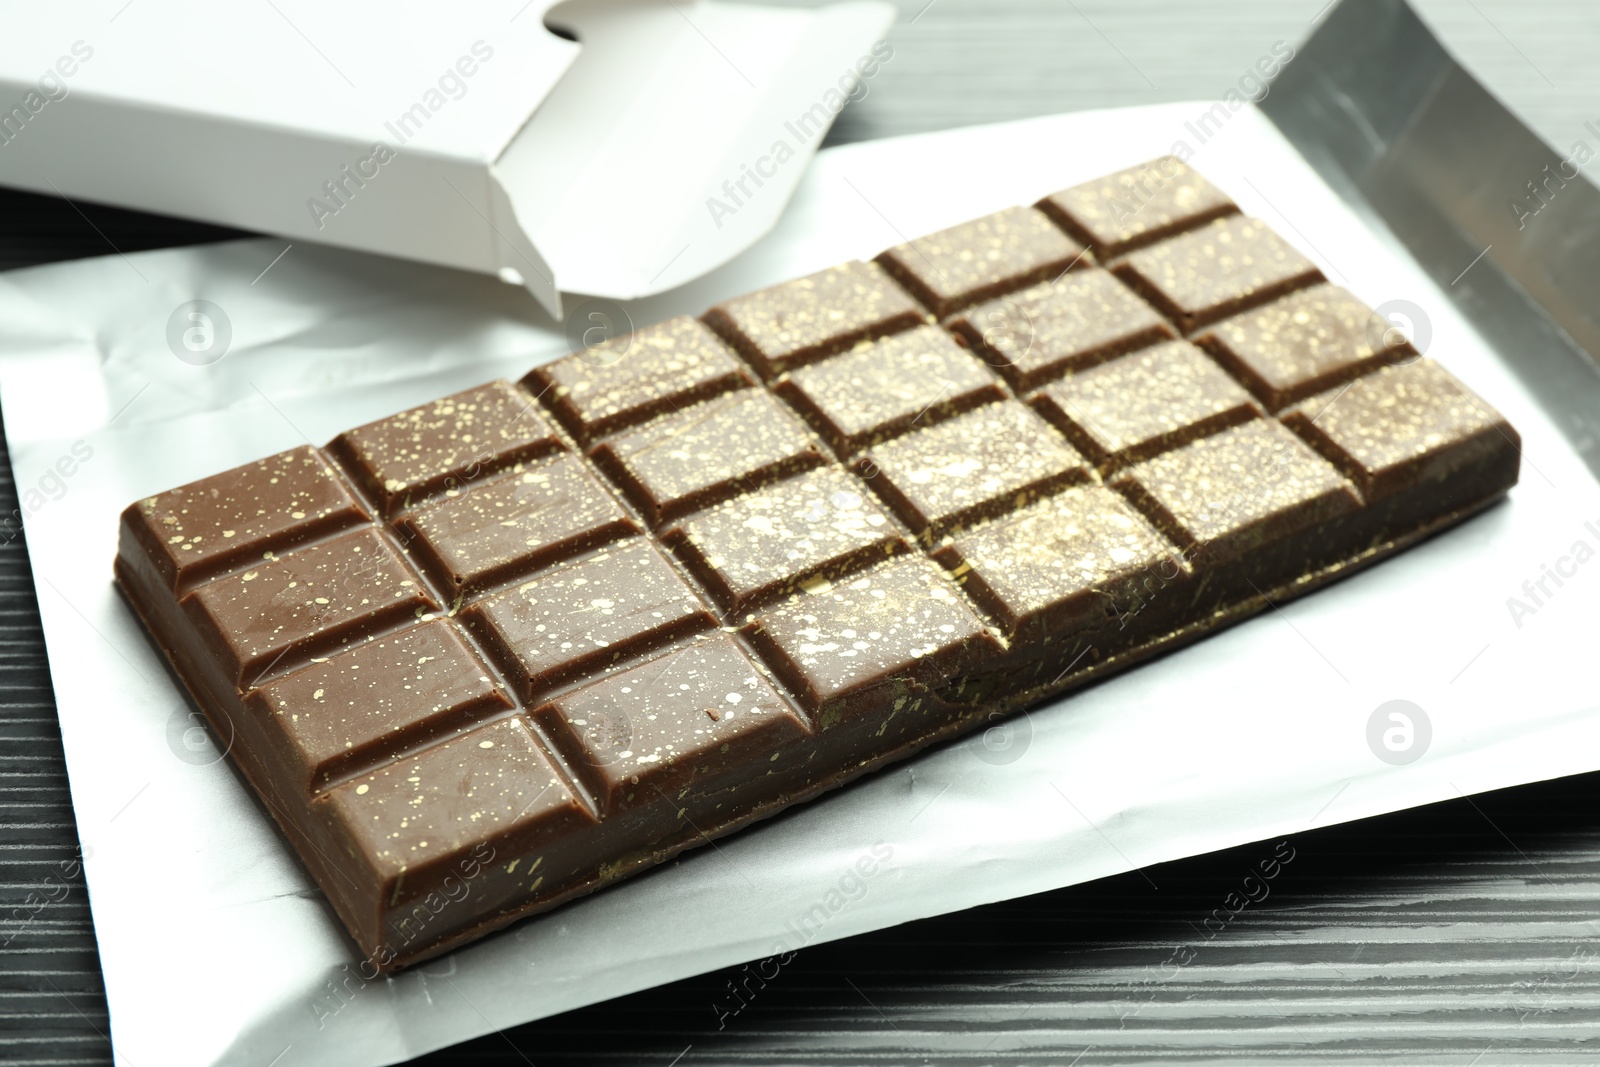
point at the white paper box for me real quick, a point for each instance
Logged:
(464, 135)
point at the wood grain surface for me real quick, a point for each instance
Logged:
(1464, 933)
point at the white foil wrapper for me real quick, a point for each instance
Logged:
(216, 946)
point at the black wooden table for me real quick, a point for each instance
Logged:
(1463, 933)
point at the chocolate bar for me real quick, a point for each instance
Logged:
(503, 649)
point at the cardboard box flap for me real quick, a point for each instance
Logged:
(671, 145)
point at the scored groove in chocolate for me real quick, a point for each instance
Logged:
(1027, 556)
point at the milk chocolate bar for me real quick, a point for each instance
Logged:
(500, 650)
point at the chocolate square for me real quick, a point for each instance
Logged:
(693, 458)
(537, 514)
(1137, 206)
(809, 318)
(1067, 566)
(408, 457)
(311, 601)
(1227, 495)
(671, 726)
(868, 636)
(1218, 270)
(976, 260)
(891, 386)
(1405, 428)
(580, 618)
(193, 532)
(1044, 332)
(372, 701)
(636, 377)
(1145, 403)
(989, 460)
(423, 827)
(764, 544)
(1291, 348)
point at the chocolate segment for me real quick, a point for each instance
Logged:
(1225, 496)
(1137, 206)
(976, 260)
(889, 387)
(639, 376)
(804, 320)
(445, 444)
(898, 620)
(708, 452)
(495, 528)
(769, 542)
(989, 460)
(1407, 427)
(195, 531)
(422, 830)
(1220, 269)
(309, 602)
(1304, 343)
(483, 657)
(613, 605)
(673, 727)
(376, 699)
(1043, 332)
(1145, 403)
(1070, 564)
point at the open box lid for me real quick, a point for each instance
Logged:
(471, 136)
